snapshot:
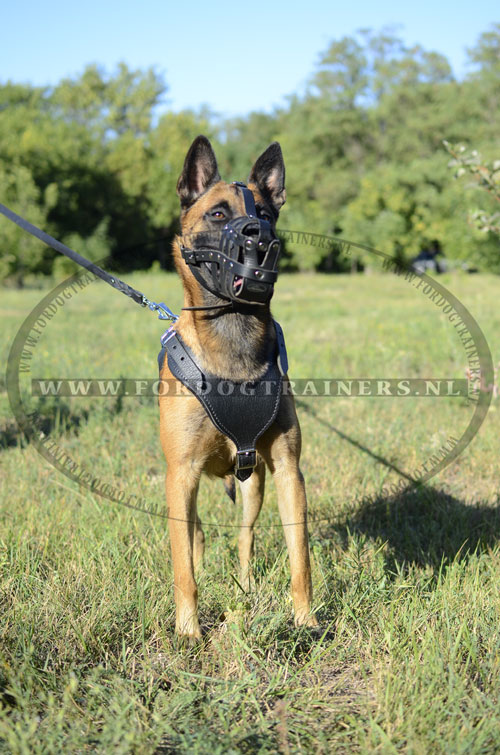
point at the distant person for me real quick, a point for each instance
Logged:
(427, 260)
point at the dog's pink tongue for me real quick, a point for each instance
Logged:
(238, 280)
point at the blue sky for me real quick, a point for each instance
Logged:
(233, 56)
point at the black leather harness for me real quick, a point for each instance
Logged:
(242, 411)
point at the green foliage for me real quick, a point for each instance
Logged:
(487, 177)
(486, 52)
(21, 253)
(169, 143)
(89, 138)
(91, 160)
(366, 150)
(400, 210)
(94, 248)
(110, 105)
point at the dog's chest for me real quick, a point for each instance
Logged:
(240, 410)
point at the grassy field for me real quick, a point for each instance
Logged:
(406, 586)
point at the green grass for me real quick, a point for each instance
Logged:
(406, 587)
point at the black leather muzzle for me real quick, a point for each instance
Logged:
(242, 264)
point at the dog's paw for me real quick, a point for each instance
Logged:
(247, 581)
(188, 632)
(184, 643)
(306, 619)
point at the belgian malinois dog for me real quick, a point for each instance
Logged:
(227, 330)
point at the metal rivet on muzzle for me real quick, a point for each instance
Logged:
(245, 266)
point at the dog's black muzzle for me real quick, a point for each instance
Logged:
(242, 262)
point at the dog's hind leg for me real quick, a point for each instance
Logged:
(187, 546)
(198, 536)
(230, 487)
(198, 542)
(252, 491)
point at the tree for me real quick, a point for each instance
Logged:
(400, 209)
(21, 254)
(486, 177)
(486, 52)
(90, 137)
(362, 147)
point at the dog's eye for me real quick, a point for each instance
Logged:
(264, 215)
(217, 215)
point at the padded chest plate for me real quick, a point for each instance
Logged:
(242, 411)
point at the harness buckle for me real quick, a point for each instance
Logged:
(246, 459)
(167, 335)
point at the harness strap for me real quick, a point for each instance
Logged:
(242, 411)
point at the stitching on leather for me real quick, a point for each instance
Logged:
(210, 405)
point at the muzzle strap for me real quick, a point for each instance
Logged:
(250, 208)
(241, 263)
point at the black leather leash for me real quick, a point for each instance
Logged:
(63, 249)
(164, 312)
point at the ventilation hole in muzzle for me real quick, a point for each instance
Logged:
(251, 231)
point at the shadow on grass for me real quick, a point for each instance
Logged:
(425, 527)
(422, 525)
(56, 416)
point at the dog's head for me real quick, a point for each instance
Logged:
(228, 239)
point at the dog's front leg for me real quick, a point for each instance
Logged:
(292, 506)
(185, 543)
(281, 450)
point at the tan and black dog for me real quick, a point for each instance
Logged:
(231, 341)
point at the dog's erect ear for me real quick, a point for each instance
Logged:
(268, 174)
(199, 172)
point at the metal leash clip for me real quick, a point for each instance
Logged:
(164, 312)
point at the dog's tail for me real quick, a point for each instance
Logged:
(230, 487)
